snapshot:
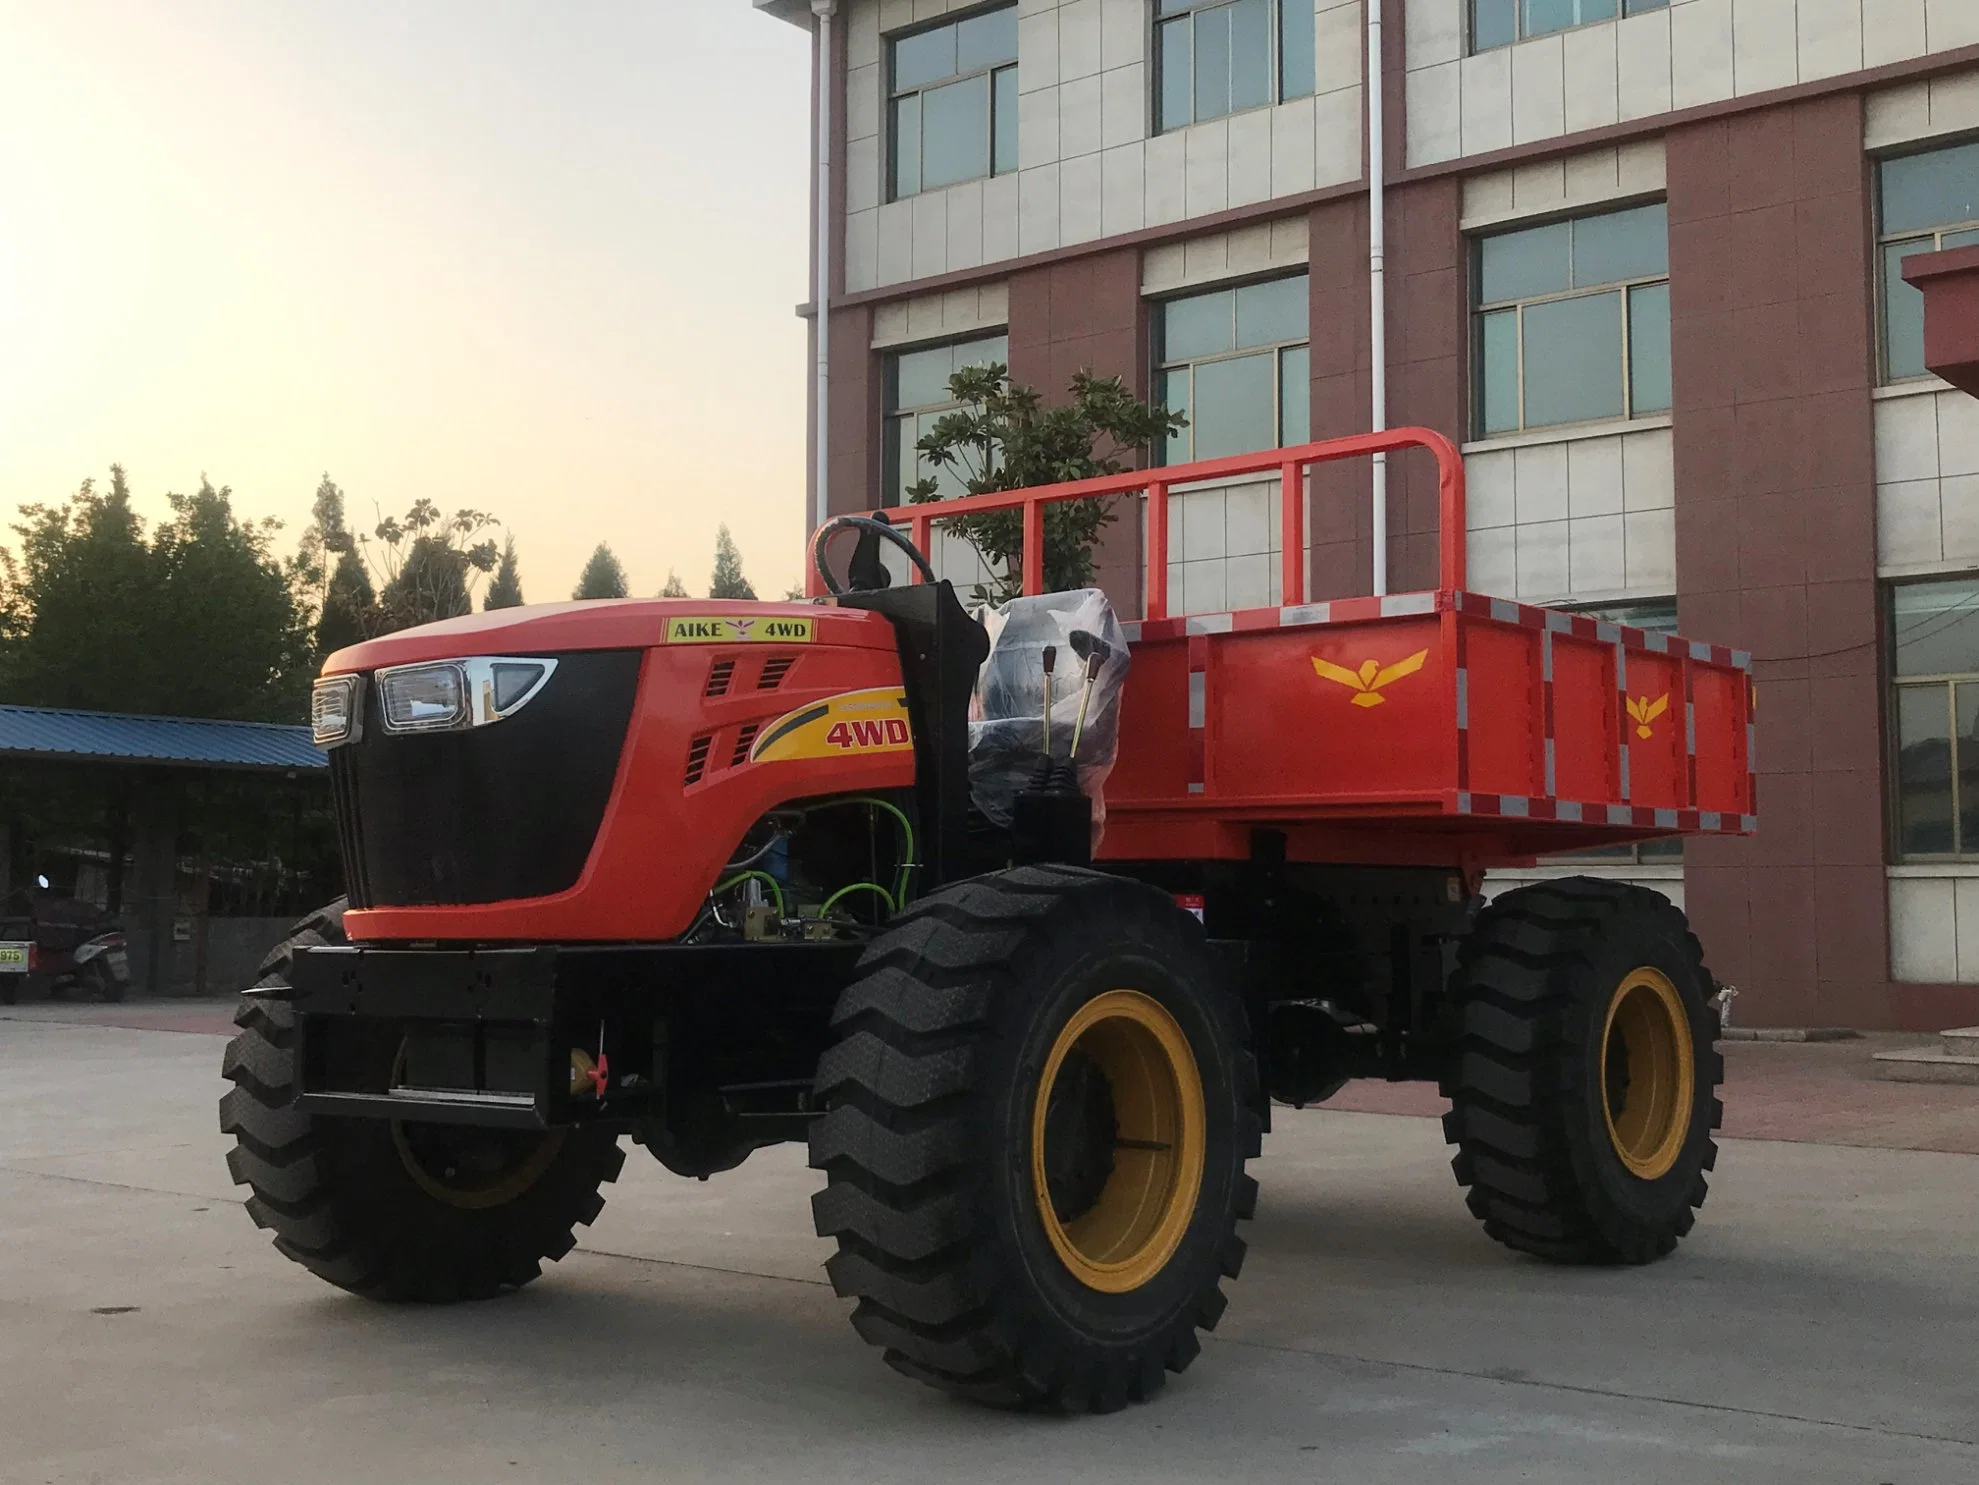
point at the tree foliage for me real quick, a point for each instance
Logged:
(674, 587)
(505, 588)
(728, 581)
(430, 562)
(198, 619)
(603, 576)
(1003, 437)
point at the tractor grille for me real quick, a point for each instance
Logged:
(774, 670)
(744, 741)
(697, 756)
(718, 678)
(492, 813)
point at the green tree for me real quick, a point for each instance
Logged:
(1003, 437)
(728, 581)
(603, 576)
(201, 619)
(505, 588)
(674, 588)
(331, 570)
(430, 562)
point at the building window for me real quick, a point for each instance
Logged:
(1656, 616)
(1573, 321)
(916, 396)
(1934, 637)
(1925, 203)
(953, 103)
(1501, 22)
(1217, 57)
(1235, 361)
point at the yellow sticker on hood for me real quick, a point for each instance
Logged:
(872, 721)
(729, 630)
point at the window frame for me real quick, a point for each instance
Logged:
(1884, 241)
(1161, 365)
(1157, 69)
(1950, 683)
(1624, 10)
(1480, 310)
(889, 102)
(892, 485)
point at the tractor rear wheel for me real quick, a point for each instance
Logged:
(1039, 1105)
(395, 1211)
(1583, 1088)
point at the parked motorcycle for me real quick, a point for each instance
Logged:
(60, 945)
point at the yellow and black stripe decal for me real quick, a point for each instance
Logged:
(872, 721)
(732, 631)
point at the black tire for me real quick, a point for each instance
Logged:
(932, 1096)
(355, 1202)
(1560, 1162)
(107, 986)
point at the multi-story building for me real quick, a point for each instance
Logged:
(1642, 261)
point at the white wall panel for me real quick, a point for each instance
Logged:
(1927, 483)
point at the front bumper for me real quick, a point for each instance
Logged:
(544, 1036)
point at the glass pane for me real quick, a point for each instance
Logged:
(1542, 16)
(1005, 122)
(1250, 54)
(923, 58)
(1936, 628)
(1273, 312)
(1294, 395)
(906, 146)
(1649, 349)
(1924, 773)
(1661, 850)
(1516, 265)
(1172, 7)
(1297, 49)
(1196, 326)
(1173, 107)
(897, 452)
(1640, 7)
(1573, 360)
(1621, 245)
(1494, 23)
(920, 378)
(1596, 10)
(952, 478)
(955, 133)
(1968, 768)
(985, 40)
(1903, 312)
(1966, 238)
(1213, 63)
(1498, 371)
(1236, 409)
(1930, 190)
(1174, 395)
(991, 349)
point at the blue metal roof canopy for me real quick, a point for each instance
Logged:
(50, 734)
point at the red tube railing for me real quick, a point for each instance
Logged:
(1157, 485)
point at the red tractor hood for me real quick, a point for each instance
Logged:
(618, 624)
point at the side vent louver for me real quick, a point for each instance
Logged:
(697, 757)
(774, 670)
(718, 678)
(744, 741)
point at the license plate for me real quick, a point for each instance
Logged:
(119, 962)
(13, 959)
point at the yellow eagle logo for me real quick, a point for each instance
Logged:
(1371, 679)
(1645, 711)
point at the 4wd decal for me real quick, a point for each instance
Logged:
(858, 722)
(727, 631)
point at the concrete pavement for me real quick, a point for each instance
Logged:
(1819, 1325)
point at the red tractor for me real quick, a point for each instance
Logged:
(718, 875)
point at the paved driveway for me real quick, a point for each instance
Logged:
(1821, 1324)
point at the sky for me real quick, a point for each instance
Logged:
(539, 259)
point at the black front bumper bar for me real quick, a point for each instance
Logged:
(542, 1036)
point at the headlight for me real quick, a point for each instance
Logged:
(449, 695)
(333, 710)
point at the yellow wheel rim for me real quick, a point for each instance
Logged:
(477, 1184)
(1115, 1209)
(1648, 1072)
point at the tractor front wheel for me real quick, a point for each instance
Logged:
(1039, 1107)
(1583, 1085)
(399, 1211)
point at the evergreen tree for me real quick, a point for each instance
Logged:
(728, 581)
(674, 588)
(350, 605)
(602, 577)
(505, 589)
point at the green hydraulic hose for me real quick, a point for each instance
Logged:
(776, 887)
(885, 896)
